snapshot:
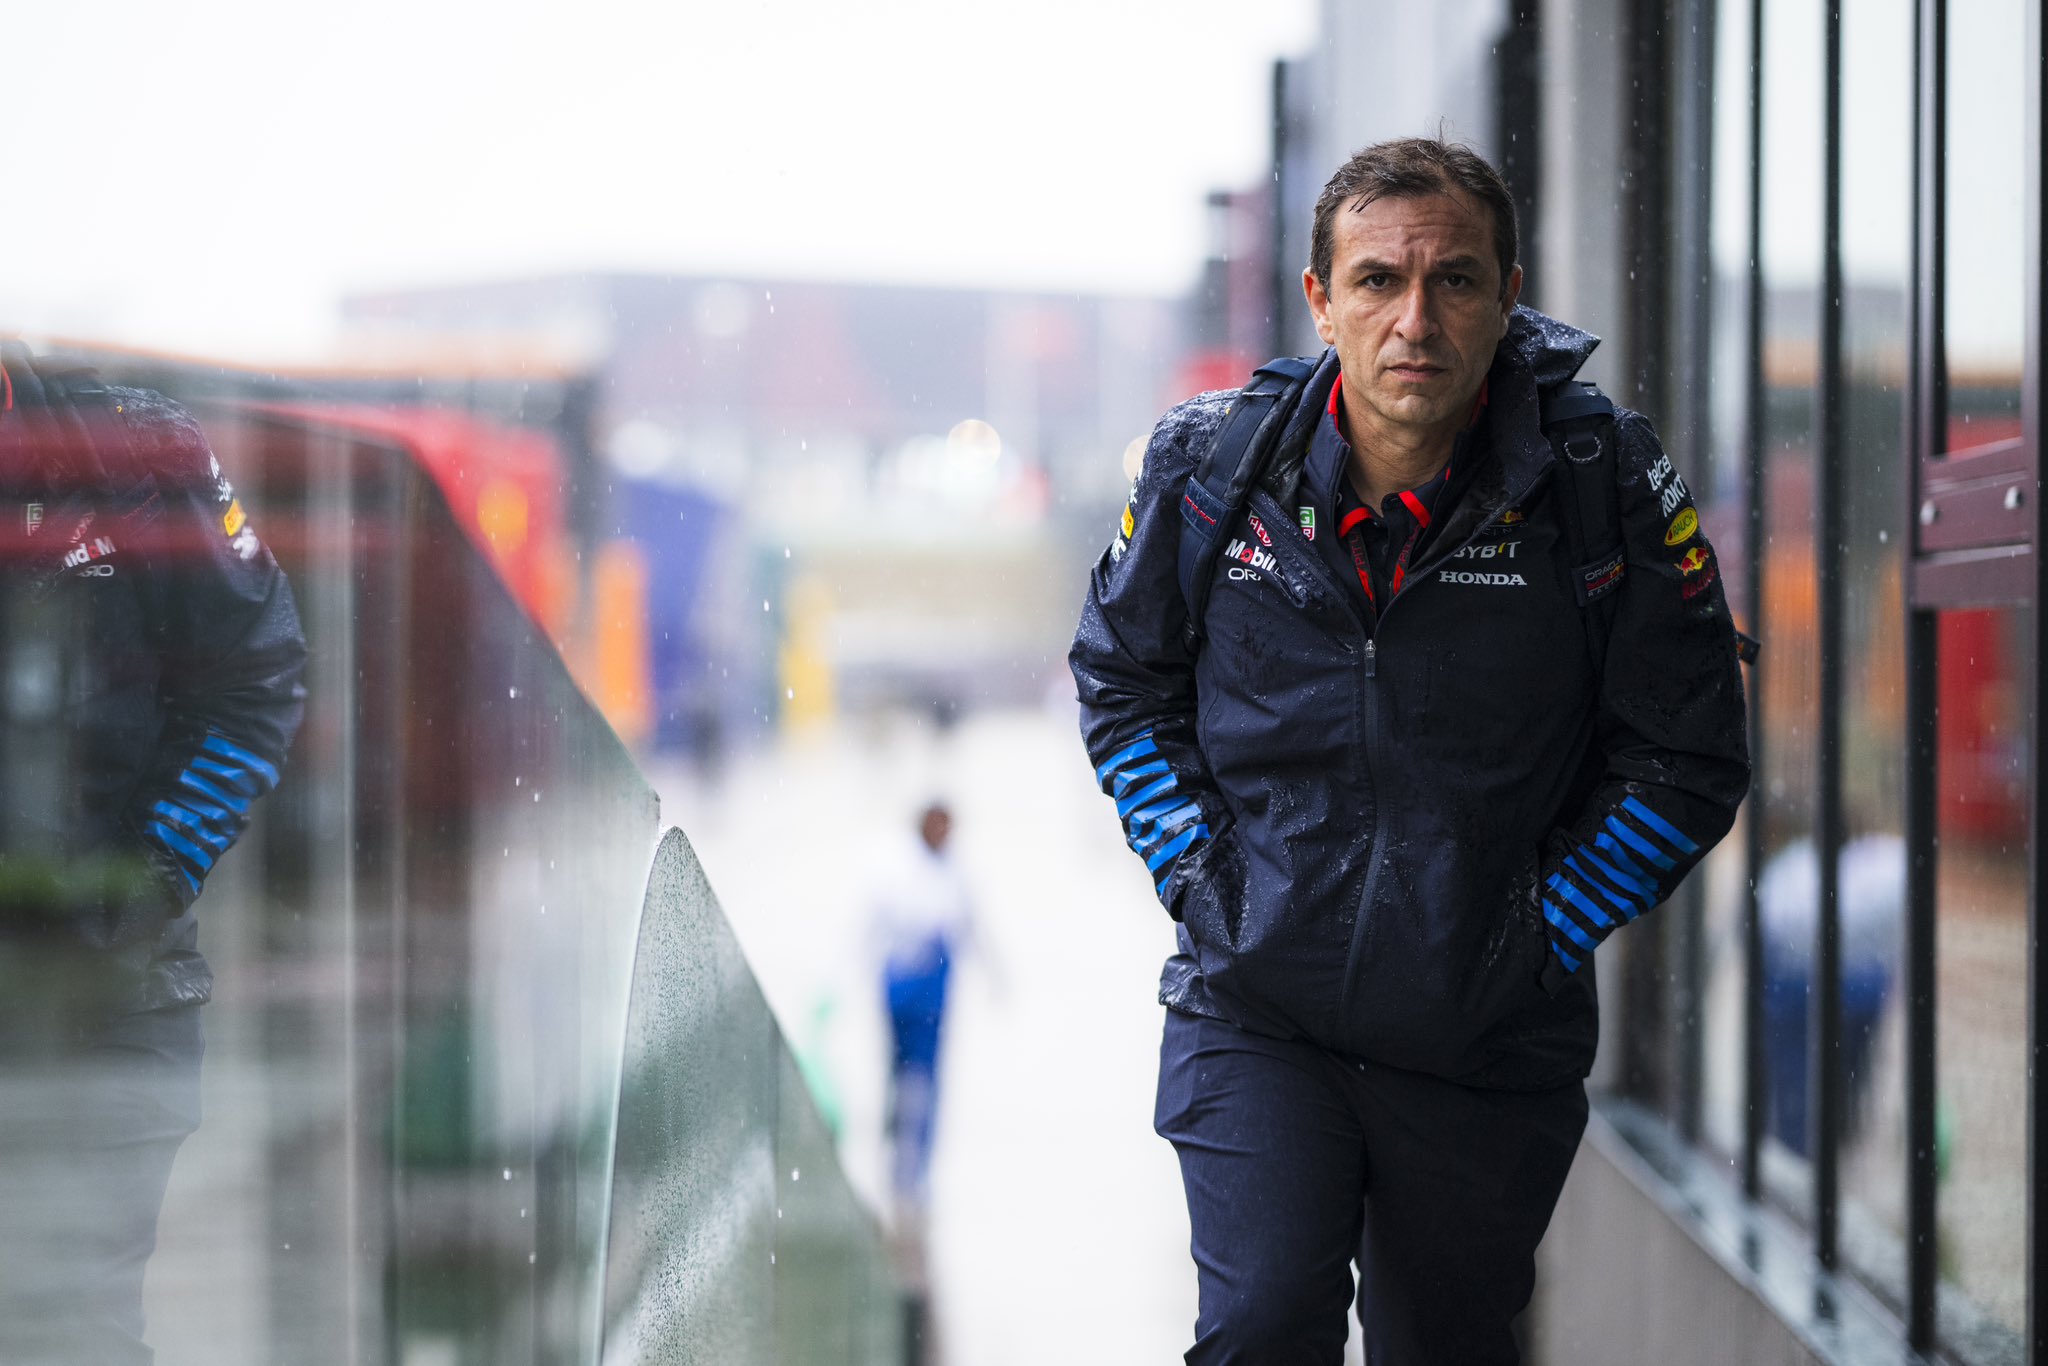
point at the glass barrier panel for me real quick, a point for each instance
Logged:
(404, 1143)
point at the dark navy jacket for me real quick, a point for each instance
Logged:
(153, 658)
(1404, 841)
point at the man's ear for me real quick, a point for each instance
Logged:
(1319, 305)
(1508, 297)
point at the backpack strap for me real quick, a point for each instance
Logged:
(1578, 420)
(1223, 477)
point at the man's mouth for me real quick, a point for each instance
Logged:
(1415, 372)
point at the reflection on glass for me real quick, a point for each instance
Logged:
(421, 951)
(1984, 250)
(1789, 674)
(1876, 230)
(1981, 983)
(150, 658)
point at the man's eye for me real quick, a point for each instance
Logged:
(1456, 281)
(1378, 281)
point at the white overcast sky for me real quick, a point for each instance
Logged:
(211, 175)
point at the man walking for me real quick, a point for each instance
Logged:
(1412, 764)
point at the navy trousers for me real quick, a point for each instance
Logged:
(1298, 1162)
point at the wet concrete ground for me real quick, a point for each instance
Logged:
(1056, 1230)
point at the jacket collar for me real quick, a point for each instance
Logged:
(1537, 353)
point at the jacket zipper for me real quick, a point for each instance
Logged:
(1372, 867)
(1370, 667)
(1372, 763)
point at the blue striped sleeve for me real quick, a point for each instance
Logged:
(1138, 750)
(1663, 829)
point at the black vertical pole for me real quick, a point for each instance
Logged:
(1927, 415)
(1824, 1066)
(1922, 681)
(1517, 128)
(1283, 277)
(1753, 1055)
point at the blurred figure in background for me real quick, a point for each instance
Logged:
(1871, 895)
(921, 918)
(150, 657)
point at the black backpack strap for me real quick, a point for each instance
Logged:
(1221, 483)
(1578, 420)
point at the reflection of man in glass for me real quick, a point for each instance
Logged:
(150, 656)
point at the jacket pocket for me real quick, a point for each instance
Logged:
(1206, 894)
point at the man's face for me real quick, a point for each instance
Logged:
(1415, 309)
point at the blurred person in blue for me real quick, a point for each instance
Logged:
(1453, 696)
(921, 920)
(150, 662)
(1870, 892)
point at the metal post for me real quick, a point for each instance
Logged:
(1282, 276)
(1824, 1064)
(1927, 421)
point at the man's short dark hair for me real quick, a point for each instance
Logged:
(1410, 168)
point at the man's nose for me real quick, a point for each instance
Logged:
(1417, 321)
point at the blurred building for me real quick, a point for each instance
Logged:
(1811, 237)
(824, 495)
